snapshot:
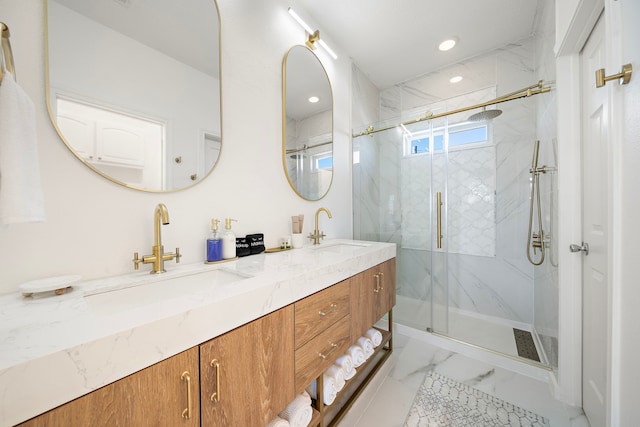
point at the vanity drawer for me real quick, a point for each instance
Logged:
(321, 352)
(317, 312)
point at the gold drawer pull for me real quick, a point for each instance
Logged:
(332, 308)
(215, 397)
(331, 350)
(377, 288)
(186, 377)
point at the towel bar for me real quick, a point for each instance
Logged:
(7, 54)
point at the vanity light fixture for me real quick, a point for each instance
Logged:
(447, 45)
(313, 99)
(455, 79)
(314, 36)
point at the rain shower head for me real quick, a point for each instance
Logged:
(484, 115)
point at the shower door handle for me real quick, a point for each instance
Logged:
(439, 219)
(580, 248)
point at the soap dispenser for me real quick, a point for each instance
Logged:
(214, 243)
(228, 240)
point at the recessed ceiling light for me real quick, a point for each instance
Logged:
(447, 45)
(455, 79)
(313, 99)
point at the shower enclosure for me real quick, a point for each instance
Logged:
(453, 194)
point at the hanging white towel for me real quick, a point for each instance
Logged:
(278, 422)
(329, 392)
(357, 355)
(20, 187)
(337, 373)
(346, 363)
(366, 345)
(375, 336)
(298, 412)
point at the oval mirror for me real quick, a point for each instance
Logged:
(133, 88)
(307, 134)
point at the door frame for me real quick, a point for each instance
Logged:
(567, 380)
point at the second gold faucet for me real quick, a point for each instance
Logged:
(157, 257)
(317, 234)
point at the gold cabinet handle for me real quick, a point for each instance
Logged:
(379, 277)
(332, 308)
(331, 350)
(215, 397)
(439, 218)
(187, 411)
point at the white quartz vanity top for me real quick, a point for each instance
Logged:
(54, 349)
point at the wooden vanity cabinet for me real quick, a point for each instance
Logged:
(155, 396)
(247, 375)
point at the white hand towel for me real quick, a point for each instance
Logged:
(366, 345)
(357, 355)
(375, 336)
(299, 411)
(278, 422)
(346, 363)
(21, 197)
(329, 393)
(337, 373)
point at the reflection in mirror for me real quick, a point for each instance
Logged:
(134, 88)
(307, 124)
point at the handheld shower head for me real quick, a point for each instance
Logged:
(534, 163)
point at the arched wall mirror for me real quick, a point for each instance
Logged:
(134, 88)
(307, 137)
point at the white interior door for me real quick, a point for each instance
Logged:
(595, 205)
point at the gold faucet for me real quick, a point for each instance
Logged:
(158, 257)
(317, 234)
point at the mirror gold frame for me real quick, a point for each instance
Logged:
(173, 164)
(307, 127)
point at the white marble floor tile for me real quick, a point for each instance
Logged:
(389, 405)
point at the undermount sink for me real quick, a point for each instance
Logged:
(340, 247)
(143, 293)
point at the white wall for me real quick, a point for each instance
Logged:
(93, 226)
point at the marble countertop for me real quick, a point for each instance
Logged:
(54, 349)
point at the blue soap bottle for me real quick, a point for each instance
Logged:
(214, 243)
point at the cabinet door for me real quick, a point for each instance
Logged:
(362, 300)
(373, 293)
(247, 375)
(157, 395)
(386, 295)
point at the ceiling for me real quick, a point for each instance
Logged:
(392, 41)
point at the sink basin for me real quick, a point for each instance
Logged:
(144, 293)
(340, 247)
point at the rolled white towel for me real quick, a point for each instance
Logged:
(375, 336)
(366, 345)
(278, 422)
(346, 363)
(357, 355)
(337, 373)
(298, 413)
(330, 391)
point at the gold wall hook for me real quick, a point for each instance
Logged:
(625, 75)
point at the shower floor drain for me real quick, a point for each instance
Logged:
(525, 345)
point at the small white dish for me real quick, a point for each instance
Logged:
(57, 284)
